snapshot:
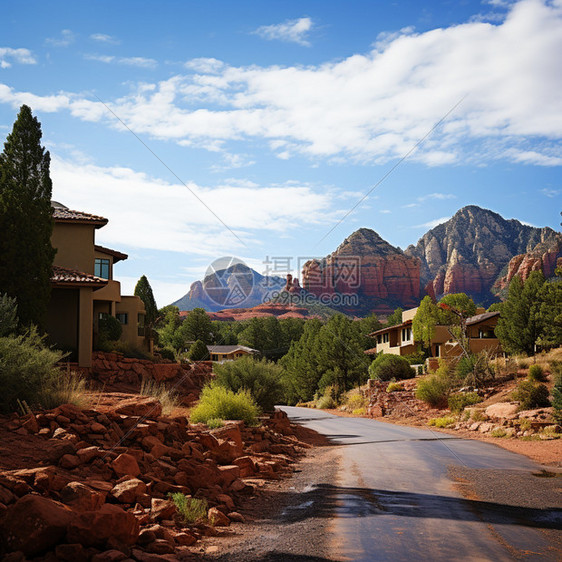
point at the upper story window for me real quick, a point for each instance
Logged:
(385, 338)
(102, 268)
(123, 317)
(406, 334)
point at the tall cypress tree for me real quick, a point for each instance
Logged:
(143, 290)
(26, 221)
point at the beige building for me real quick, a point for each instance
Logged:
(83, 288)
(223, 353)
(399, 339)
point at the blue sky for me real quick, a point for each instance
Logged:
(204, 129)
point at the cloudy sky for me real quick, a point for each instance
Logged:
(205, 129)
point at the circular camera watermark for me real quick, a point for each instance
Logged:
(228, 282)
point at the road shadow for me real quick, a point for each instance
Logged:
(325, 500)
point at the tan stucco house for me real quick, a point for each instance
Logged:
(83, 288)
(223, 353)
(399, 339)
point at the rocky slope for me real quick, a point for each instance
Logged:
(381, 275)
(468, 252)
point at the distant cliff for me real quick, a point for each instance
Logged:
(472, 249)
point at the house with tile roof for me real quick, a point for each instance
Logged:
(83, 288)
(399, 339)
(223, 353)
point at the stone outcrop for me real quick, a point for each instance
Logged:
(545, 256)
(468, 252)
(381, 275)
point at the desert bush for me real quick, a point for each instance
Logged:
(260, 378)
(167, 353)
(215, 423)
(169, 399)
(475, 369)
(354, 399)
(8, 315)
(67, 388)
(191, 510)
(536, 374)
(27, 370)
(110, 329)
(415, 358)
(524, 424)
(386, 367)
(530, 395)
(498, 432)
(441, 422)
(216, 401)
(556, 369)
(460, 400)
(433, 389)
(478, 415)
(395, 387)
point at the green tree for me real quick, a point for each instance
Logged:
(520, 324)
(26, 220)
(395, 318)
(198, 352)
(143, 290)
(301, 371)
(367, 326)
(460, 302)
(427, 317)
(197, 326)
(8, 315)
(550, 314)
(340, 356)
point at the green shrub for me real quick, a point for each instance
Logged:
(531, 395)
(556, 369)
(110, 329)
(395, 387)
(191, 510)
(498, 432)
(215, 423)
(415, 358)
(354, 399)
(326, 403)
(433, 389)
(478, 415)
(441, 422)
(386, 367)
(198, 352)
(459, 401)
(167, 353)
(262, 379)
(536, 374)
(8, 315)
(28, 370)
(169, 399)
(475, 370)
(219, 402)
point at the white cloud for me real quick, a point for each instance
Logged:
(103, 38)
(385, 211)
(386, 99)
(549, 192)
(294, 31)
(66, 38)
(130, 61)
(433, 223)
(150, 213)
(428, 197)
(20, 56)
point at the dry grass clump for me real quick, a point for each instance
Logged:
(169, 399)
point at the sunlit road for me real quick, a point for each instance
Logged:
(393, 499)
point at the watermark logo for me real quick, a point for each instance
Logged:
(228, 282)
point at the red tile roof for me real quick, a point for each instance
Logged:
(68, 215)
(371, 351)
(117, 256)
(63, 276)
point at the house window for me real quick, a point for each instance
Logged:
(379, 339)
(486, 333)
(123, 317)
(385, 338)
(406, 334)
(101, 268)
(437, 351)
(214, 357)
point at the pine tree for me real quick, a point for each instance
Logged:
(198, 352)
(197, 326)
(26, 221)
(143, 290)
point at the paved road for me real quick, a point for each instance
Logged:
(394, 500)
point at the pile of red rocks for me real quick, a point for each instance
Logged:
(114, 371)
(101, 489)
(396, 404)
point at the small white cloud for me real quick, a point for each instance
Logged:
(206, 65)
(534, 157)
(440, 196)
(385, 211)
(433, 223)
(103, 38)
(66, 38)
(20, 56)
(129, 61)
(551, 192)
(293, 31)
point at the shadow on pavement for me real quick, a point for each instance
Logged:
(325, 500)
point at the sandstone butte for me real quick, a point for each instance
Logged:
(94, 484)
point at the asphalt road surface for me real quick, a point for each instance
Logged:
(395, 499)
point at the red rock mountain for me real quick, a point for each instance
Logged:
(476, 246)
(381, 275)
